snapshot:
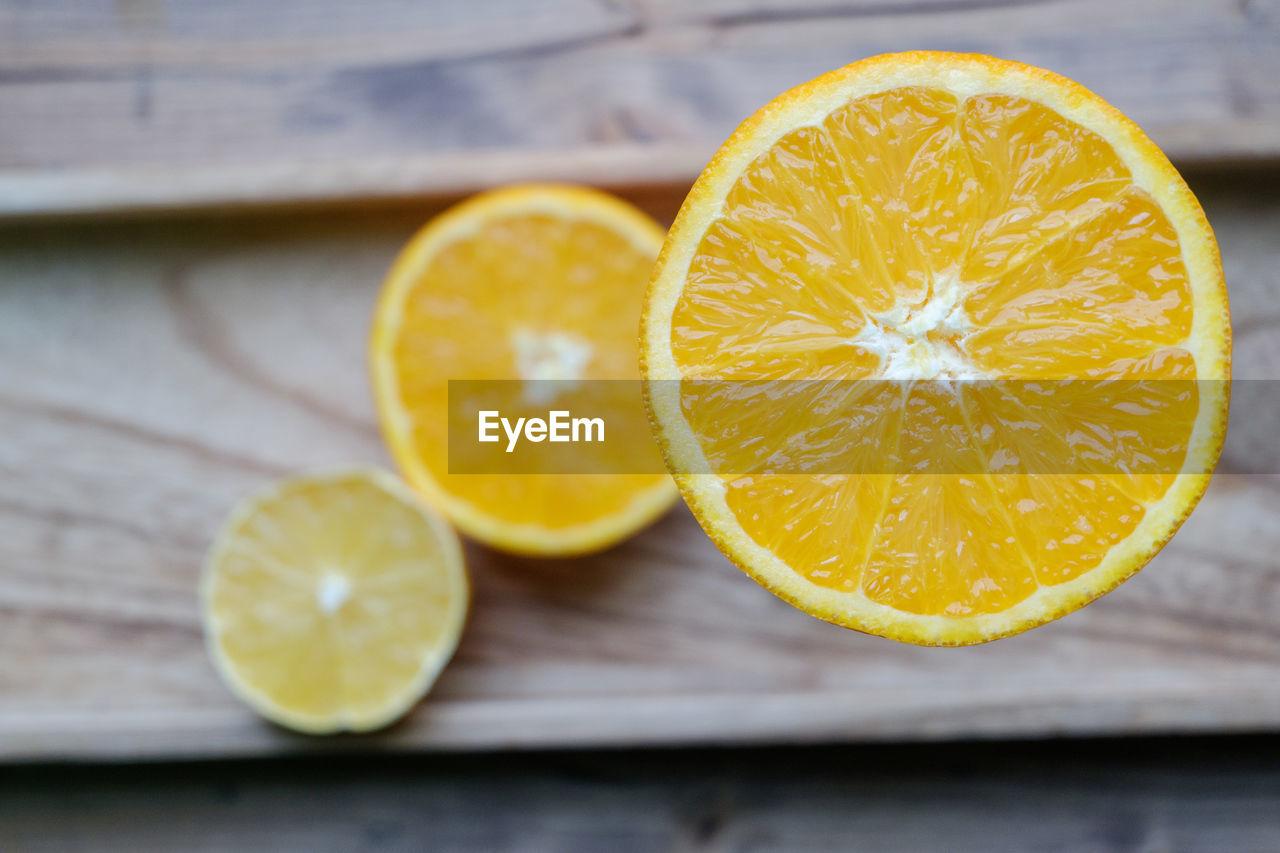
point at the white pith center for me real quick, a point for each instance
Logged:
(332, 592)
(924, 342)
(542, 356)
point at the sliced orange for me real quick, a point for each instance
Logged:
(542, 284)
(332, 602)
(940, 217)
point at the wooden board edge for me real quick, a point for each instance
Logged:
(79, 193)
(664, 721)
(25, 196)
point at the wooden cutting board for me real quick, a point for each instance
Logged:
(153, 373)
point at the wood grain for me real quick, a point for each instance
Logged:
(152, 374)
(140, 104)
(1192, 795)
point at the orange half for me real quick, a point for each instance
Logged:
(939, 218)
(541, 285)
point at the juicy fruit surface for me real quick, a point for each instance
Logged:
(1034, 259)
(535, 288)
(920, 234)
(529, 297)
(332, 602)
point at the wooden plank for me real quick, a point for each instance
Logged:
(141, 104)
(54, 194)
(151, 374)
(1189, 795)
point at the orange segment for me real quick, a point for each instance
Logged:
(948, 221)
(926, 559)
(531, 283)
(1040, 173)
(1118, 274)
(918, 186)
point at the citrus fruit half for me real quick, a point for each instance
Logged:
(939, 220)
(542, 284)
(332, 602)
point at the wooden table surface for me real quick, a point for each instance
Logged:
(152, 372)
(1190, 795)
(156, 104)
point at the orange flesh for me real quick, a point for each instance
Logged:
(1021, 244)
(269, 593)
(527, 277)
